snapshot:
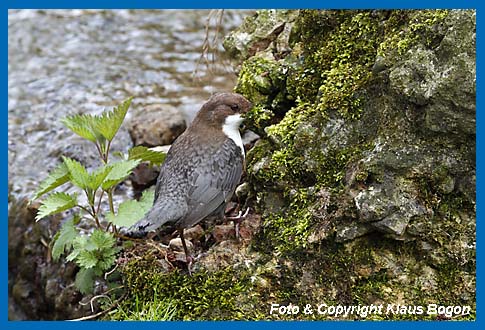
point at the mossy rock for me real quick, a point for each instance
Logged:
(366, 197)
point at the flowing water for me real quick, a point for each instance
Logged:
(62, 62)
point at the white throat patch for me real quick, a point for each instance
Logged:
(231, 129)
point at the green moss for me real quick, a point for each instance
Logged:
(260, 80)
(258, 118)
(289, 230)
(410, 27)
(203, 295)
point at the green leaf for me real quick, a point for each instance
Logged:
(107, 261)
(98, 128)
(82, 125)
(78, 245)
(97, 177)
(146, 155)
(110, 122)
(102, 240)
(77, 173)
(86, 259)
(55, 203)
(130, 212)
(64, 238)
(85, 280)
(119, 171)
(57, 177)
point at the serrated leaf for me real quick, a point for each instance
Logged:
(85, 280)
(64, 238)
(108, 260)
(119, 171)
(130, 212)
(96, 178)
(56, 178)
(146, 155)
(82, 125)
(78, 245)
(55, 203)
(102, 240)
(118, 154)
(77, 173)
(86, 259)
(110, 122)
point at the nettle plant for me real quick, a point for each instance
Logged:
(94, 252)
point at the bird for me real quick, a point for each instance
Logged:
(201, 170)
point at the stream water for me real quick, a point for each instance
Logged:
(62, 62)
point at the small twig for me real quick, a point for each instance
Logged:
(42, 240)
(208, 44)
(104, 295)
(110, 272)
(90, 317)
(126, 238)
(91, 301)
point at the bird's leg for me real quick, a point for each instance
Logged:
(187, 255)
(237, 221)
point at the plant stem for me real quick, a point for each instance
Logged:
(105, 155)
(92, 213)
(99, 201)
(95, 216)
(110, 199)
(98, 147)
(85, 210)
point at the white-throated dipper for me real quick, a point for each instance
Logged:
(202, 168)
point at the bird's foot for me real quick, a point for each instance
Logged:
(237, 221)
(190, 261)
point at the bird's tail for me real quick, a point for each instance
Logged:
(150, 222)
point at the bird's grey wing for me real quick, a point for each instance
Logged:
(213, 183)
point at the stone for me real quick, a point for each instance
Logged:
(194, 234)
(242, 190)
(223, 232)
(259, 32)
(249, 138)
(375, 203)
(176, 245)
(143, 177)
(157, 125)
(395, 223)
(350, 232)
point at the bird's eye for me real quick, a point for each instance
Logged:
(234, 107)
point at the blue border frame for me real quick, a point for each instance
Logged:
(239, 4)
(182, 4)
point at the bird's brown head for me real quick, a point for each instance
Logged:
(223, 109)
